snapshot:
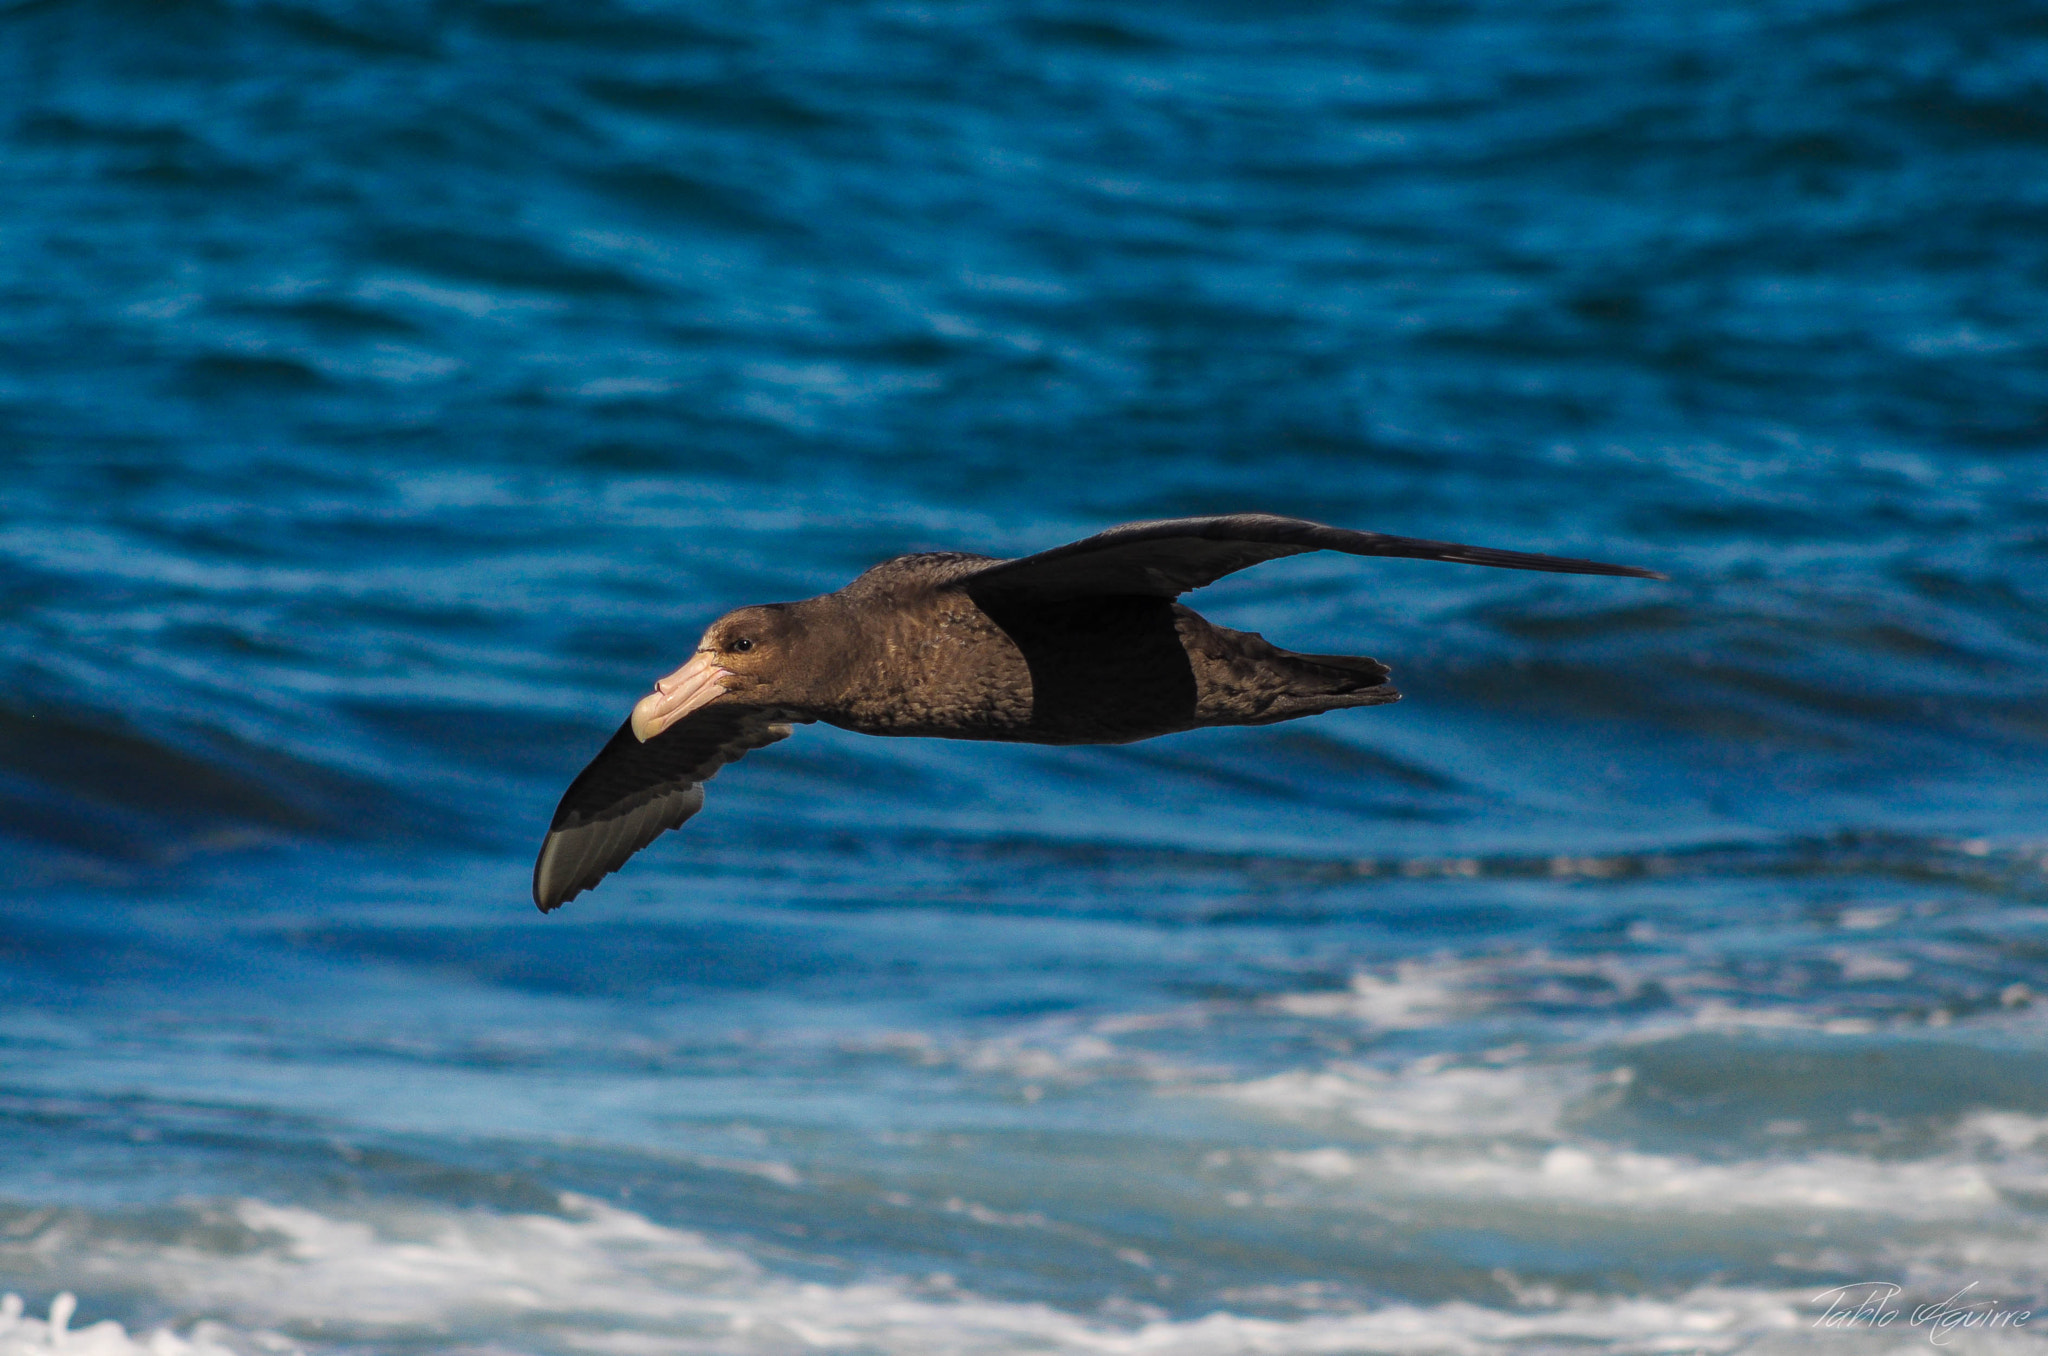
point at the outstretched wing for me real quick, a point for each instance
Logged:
(632, 792)
(1167, 558)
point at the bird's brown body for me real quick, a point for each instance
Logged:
(1082, 644)
(958, 664)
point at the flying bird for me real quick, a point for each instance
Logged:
(1082, 644)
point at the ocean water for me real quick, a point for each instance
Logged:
(389, 391)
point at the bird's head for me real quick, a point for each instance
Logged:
(746, 656)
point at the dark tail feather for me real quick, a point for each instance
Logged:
(1353, 671)
(1329, 682)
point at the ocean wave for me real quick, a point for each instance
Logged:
(109, 790)
(600, 1277)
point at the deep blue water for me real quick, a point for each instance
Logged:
(388, 392)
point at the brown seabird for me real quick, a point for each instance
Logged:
(1082, 644)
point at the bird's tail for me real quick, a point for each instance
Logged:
(1329, 682)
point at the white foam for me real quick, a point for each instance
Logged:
(1419, 994)
(1456, 1132)
(603, 1279)
(1598, 1178)
(24, 1336)
(1056, 1051)
(608, 1280)
(1592, 994)
(2008, 1130)
(1427, 1098)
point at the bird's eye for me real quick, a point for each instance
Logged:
(741, 646)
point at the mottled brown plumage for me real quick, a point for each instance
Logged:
(1082, 644)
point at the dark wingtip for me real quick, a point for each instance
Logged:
(1517, 560)
(548, 894)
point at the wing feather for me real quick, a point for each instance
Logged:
(1167, 558)
(632, 793)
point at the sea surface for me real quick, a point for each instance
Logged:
(390, 391)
